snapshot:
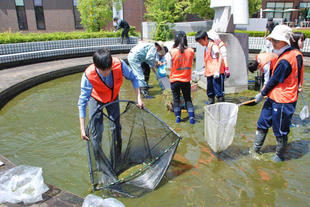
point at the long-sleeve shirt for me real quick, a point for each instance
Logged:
(144, 52)
(86, 86)
(282, 71)
(122, 24)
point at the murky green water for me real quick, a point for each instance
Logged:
(40, 127)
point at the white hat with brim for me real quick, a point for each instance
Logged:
(281, 33)
(162, 51)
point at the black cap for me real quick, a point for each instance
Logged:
(270, 19)
(200, 35)
(253, 64)
(180, 34)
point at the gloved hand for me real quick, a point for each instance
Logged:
(258, 98)
(227, 73)
(216, 75)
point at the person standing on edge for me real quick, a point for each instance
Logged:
(214, 68)
(269, 27)
(180, 75)
(122, 24)
(144, 53)
(282, 91)
(100, 84)
(217, 40)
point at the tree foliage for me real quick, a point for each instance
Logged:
(201, 8)
(254, 6)
(164, 13)
(96, 14)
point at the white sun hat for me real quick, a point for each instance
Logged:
(213, 35)
(281, 33)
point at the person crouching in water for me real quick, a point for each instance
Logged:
(180, 75)
(214, 68)
(282, 91)
(100, 84)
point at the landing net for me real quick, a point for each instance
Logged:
(134, 161)
(220, 121)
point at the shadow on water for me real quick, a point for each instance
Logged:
(232, 153)
(295, 149)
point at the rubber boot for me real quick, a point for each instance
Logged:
(127, 41)
(122, 40)
(191, 117)
(221, 99)
(210, 101)
(280, 149)
(259, 140)
(145, 93)
(177, 116)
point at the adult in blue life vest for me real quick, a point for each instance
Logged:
(180, 60)
(100, 84)
(120, 23)
(282, 91)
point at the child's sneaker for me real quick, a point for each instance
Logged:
(178, 119)
(191, 120)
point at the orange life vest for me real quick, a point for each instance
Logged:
(220, 43)
(101, 92)
(264, 58)
(287, 91)
(181, 69)
(211, 64)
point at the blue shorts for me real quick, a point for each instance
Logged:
(276, 115)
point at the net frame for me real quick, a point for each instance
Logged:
(168, 153)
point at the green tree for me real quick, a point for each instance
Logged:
(95, 14)
(254, 6)
(164, 13)
(201, 8)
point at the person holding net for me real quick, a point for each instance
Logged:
(100, 84)
(282, 91)
(214, 67)
(180, 62)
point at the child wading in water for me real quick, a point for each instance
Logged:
(180, 76)
(214, 68)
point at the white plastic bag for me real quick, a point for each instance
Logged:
(96, 201)
(220, 122)
(22, 184)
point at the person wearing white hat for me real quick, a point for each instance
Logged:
(281, 91)
(223, 50)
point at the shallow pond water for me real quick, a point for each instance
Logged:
(40, 127)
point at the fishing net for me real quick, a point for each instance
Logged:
(134, 161)
(220, 121)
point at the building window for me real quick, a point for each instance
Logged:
(38, 9)
(21, 15)
(279, 10)
(77, 16)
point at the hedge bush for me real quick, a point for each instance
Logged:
(9, 37)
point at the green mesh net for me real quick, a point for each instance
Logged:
(132, 160)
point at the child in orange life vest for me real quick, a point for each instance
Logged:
(282, 91)
(180, 60)
(223, 50)
(100, 84)
(214, 68)
(265, 62)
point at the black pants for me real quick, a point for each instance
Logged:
(146, 71)
(125, 33)
(176, 88)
